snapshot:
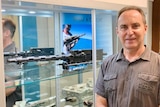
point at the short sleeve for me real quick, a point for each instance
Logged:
(99, 87)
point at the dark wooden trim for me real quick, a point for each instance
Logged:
(156, 26)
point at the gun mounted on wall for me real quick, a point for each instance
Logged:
(47, 54)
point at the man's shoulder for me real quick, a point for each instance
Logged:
(111, 58)
(155, 54)
(10, 48)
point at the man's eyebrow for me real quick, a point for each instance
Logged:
(134, 22)
(131, 24)
(122, 25)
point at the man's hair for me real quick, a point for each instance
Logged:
(8, 24)
(133, 8)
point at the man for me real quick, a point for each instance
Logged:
(13, 93)
(130, 78)
(68, 45)
(66, 34)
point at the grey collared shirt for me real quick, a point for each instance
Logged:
(12, 72)
(130, 84)
(11, 69)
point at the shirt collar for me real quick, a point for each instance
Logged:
(10, 47)
(144, 56)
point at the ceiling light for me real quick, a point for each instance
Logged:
(3, 10)
(32, 12)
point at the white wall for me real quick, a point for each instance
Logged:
(141, 3)
(45, 36)
(96, 4)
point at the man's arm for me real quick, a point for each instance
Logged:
(101, 101)
(10, 84)
(11, 89)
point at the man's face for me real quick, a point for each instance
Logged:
(131, 29)
(6, 32)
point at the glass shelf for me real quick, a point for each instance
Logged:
(50, 102)
(44, 71)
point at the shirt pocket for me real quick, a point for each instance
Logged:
(110, 82)
(147, 83)
(110, 85)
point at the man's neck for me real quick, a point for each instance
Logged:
(133, 54)
(6, 43)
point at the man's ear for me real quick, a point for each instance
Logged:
(145, 28)
(117, 30)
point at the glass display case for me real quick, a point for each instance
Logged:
(47, 75)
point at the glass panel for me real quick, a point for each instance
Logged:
(105, 31)
(34, 37)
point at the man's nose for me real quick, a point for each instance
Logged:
(130, 30)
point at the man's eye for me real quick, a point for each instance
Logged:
(135, 26)
(123, 27)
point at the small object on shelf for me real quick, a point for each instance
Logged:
(20, 104)
(71, 99)
(68, 106)
(79, 90)
(88, 103)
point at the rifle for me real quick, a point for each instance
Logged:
(72, 38)
(74, 58)
(31, 52)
